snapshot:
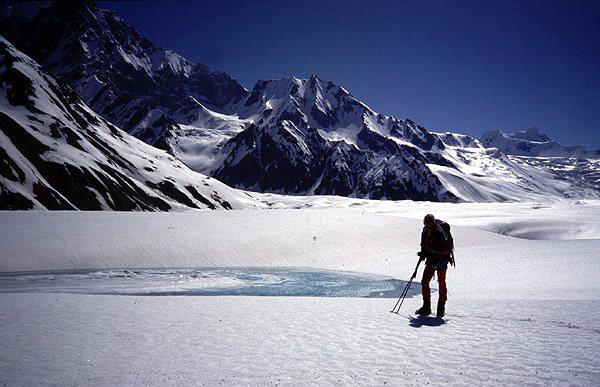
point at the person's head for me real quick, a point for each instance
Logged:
(429, 221)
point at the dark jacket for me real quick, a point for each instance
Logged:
(435, 242)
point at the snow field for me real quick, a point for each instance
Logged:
(116, 340)
(520, 311)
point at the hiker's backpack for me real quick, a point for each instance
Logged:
(446, 229)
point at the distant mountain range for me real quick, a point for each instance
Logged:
(532, 142)
(291, 136)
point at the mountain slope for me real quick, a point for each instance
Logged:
(582, 176)
(481, 174)
(56, 153)
(122, 76)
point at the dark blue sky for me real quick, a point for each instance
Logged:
(459, 66)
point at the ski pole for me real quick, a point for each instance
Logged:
(401, 297)
(405, 291)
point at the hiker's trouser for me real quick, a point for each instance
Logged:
(427, 276)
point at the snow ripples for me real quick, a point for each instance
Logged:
(209, 282)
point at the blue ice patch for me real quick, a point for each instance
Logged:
(296, 282)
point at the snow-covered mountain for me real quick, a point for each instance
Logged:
(480, 174)
(292, 136)
(532, 142)
(56, 153)
(310, 136)
(144, 89)
(303, 136)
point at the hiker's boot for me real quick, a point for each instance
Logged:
(425, 309)
(441, 309)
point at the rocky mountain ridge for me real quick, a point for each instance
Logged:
(289, 136)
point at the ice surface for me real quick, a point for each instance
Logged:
(209, 282)
(560, 261)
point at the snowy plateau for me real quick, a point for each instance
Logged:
(211, 297)
(261, 237)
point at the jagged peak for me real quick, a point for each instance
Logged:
(291, 80)
(294, 85)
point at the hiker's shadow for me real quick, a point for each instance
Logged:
(430, 321)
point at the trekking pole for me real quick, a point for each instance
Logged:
(405, 291)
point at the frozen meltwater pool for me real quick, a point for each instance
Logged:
(209, 282)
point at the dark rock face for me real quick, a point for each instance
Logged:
(308, 164)
(273, 159)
